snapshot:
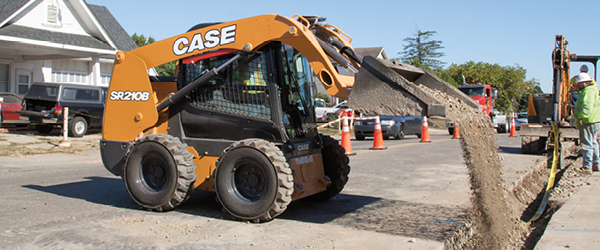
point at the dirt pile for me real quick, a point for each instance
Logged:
(494, 220)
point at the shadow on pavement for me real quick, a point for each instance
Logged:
(99, 190)
(424, 221)
(509, 150)
(409, 219)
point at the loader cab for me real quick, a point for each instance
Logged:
(266, 95)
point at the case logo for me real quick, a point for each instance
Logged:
(211, 39)
(303, 147)
(129, 96)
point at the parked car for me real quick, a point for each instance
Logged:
(391, 126)
(327, 114)
(44, 103)
(10, 104)
(520, 119)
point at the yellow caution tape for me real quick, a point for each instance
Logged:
(550, 185)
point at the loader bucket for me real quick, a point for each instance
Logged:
(378, 90)
(384, 88)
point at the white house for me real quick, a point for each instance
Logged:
(66, 41)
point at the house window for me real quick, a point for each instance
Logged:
(23, 81)
(69, 77)
(105, 73)
(4, 82)
(70, 71)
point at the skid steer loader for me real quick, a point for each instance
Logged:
(239, 119)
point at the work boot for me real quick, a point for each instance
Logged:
(596, 168)
(586, 170)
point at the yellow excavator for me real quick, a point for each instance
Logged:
(553, 108)
(239, 119)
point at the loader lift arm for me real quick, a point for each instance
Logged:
(131, 67)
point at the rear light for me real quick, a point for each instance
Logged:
(58, 109)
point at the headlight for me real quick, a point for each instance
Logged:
(387, 122)
(357, 123)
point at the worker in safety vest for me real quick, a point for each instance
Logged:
(573, 87)
(587, 120)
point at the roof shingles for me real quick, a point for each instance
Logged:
(55, 37)
(115, 31)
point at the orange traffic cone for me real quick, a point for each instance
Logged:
(378, 136)
(513, 128)
(346, 137)
(425, 131)
(456, 134)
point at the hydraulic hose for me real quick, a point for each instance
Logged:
(333, 53)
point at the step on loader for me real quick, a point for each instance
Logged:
(239, 117)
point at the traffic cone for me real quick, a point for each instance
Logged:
(425, 131)
(513, 128)
(378, 136)
(456, 134)
(346, 137)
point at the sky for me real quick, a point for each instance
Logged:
(507, 33)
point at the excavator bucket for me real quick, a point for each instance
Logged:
(385, 88)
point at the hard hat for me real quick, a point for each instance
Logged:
(584, 68)
(583, 77)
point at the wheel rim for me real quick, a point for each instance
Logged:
(155, 173)
(247, 183)
(79, 127)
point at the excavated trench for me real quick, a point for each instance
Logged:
(500, 210)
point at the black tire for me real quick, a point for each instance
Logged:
(419, 135)
(44, 129)
(159, 172)
(400, 134)
(253, 180)
(335, 162)
(359, 137)
(451, 131)
(78, 126)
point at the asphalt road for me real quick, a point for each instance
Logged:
(410, 196)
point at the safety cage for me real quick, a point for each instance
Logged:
(263, 85)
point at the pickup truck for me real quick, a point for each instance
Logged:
(326, 114)
(43, 106)
(501, 123)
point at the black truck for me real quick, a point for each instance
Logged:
(43, 106)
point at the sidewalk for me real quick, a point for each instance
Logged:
(576, 225)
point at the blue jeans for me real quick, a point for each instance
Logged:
(589, 144)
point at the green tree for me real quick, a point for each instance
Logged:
(423, 50)
(167, 69)
(141, 40)
(508, 80)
